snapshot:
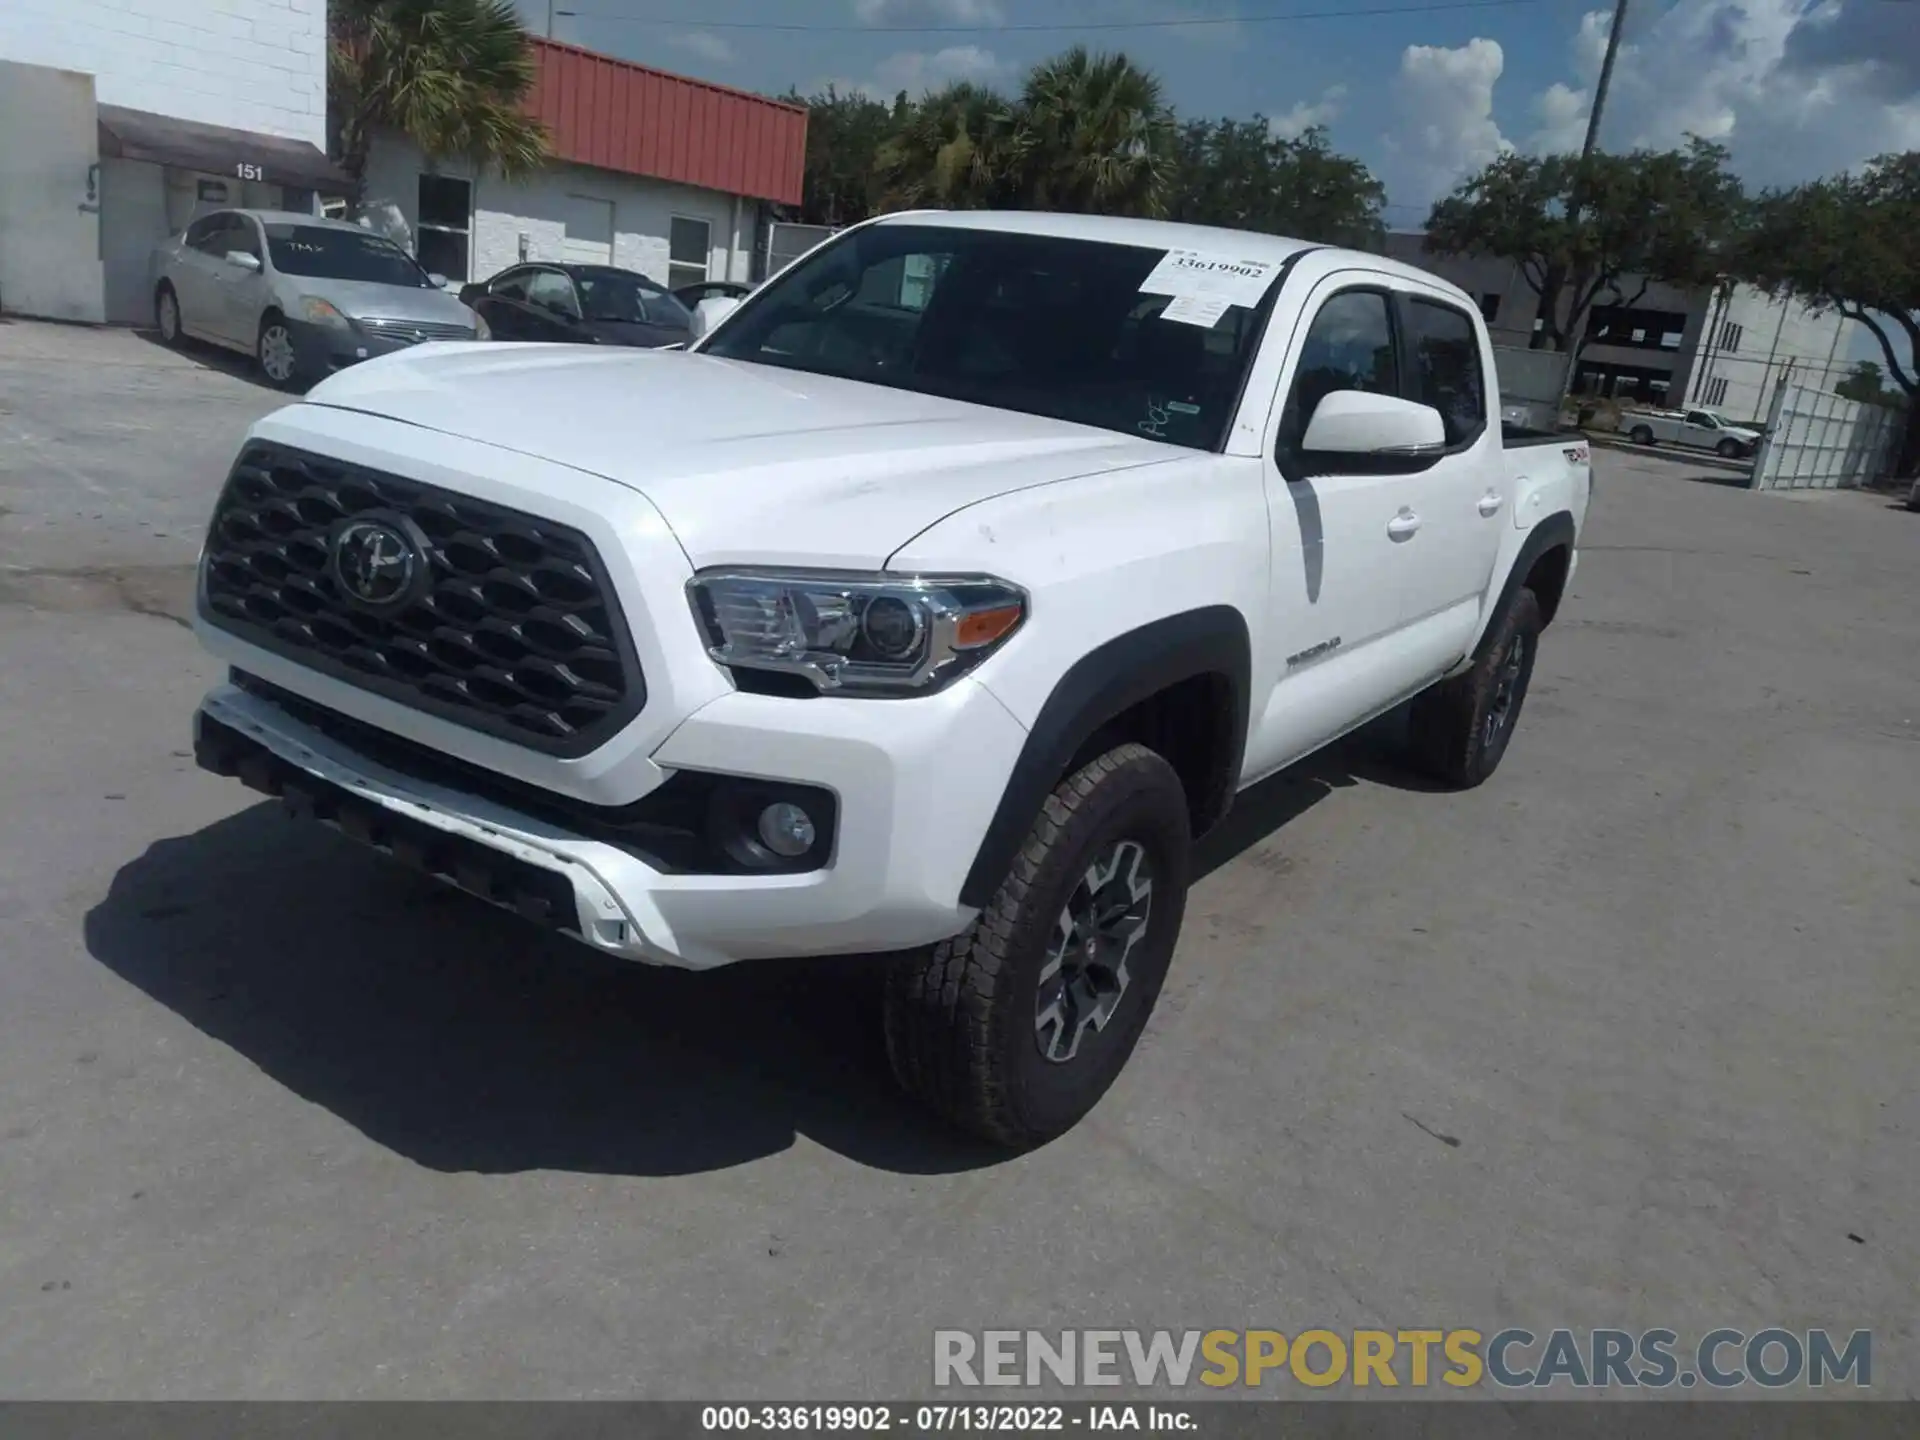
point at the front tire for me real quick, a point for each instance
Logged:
(1015, 1028)
(166, 314)
(1460, 727)
(1731, 449)
(275, 352)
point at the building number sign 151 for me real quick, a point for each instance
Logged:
(248, 172)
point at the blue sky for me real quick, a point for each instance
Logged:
(1795, 87)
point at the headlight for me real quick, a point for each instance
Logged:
(480, 330)
(856, 634)
(320, 312)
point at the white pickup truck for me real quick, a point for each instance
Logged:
(932, 605)
(1696, 429)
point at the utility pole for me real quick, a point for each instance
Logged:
(1580, 176)
(571, 15)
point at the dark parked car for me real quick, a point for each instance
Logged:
(692, 295)
(580, 305)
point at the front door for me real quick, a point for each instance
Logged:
(1339, 536)
(242, 292)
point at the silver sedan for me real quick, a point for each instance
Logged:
(303, 295)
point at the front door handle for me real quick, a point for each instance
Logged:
(1489, 503)
(1403, 525)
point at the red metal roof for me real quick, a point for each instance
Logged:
(641, 121)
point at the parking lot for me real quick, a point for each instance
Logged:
(1625, 1038)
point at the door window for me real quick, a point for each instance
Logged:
(1447, 370)
(242, 236)
(446, 218)
(1702, 419)
(689, 248)
(552, 290)
(1349, 346)
(512, 286)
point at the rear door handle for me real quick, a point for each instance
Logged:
(1489, 503)
(1403, 525)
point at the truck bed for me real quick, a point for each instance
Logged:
(1515, 437)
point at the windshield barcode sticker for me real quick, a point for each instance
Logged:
(1196, 273)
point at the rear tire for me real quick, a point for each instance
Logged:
(1460, 728)
(166, 314)
(1640, 435)
(1015, 1028)
(275, 352)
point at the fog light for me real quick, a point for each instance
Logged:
(786, 829)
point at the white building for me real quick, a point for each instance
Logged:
(122, 118)
(650, 171)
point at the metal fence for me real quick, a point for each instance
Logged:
(1816, 440)
(788, 241)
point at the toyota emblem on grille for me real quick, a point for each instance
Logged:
(376, 563)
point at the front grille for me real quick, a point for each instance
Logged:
(513, 629)
(413, 332)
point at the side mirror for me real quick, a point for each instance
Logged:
(710, 312)
(1358, 423)
(440, 282)
(243, 259)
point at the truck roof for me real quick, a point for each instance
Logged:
(1155, 234)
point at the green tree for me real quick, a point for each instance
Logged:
(1091, 134)
(844, 136)
(1237, 173)
(1851, 244)
(452, 75)
(1610, 226)
(1867, 383)
(949, 150)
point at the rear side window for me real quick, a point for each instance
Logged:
(1349, 346)
(1447, 373)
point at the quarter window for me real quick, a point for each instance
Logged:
(1349, 346)
(1446, 363)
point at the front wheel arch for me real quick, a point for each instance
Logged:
(1209, 647)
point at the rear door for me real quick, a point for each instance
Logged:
(1460, 502)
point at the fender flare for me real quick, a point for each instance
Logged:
(1106, 682)
(1555, 529)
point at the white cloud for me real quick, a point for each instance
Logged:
(1443, 100)
(704, 43)
(1304, 115)
(1792, 89)
(952, 12)
(918, 71)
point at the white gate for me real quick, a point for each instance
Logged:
(1817, 440)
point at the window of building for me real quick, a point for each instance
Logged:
(1730, 336)
(689, 247)
(1446, 358)
(1490, 307)
(1637, 329)
(442, 239)
(1714, 392)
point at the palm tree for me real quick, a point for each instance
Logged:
(452, 75)
(1093, 134)
(947, 152)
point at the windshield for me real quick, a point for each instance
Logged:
(329, 254)
(1033, 323)
(620, 296)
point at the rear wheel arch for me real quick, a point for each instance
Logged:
(1181, 684)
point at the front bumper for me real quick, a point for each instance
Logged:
(907, 778)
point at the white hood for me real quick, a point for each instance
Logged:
(747, 463)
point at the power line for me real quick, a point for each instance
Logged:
(796, 27)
